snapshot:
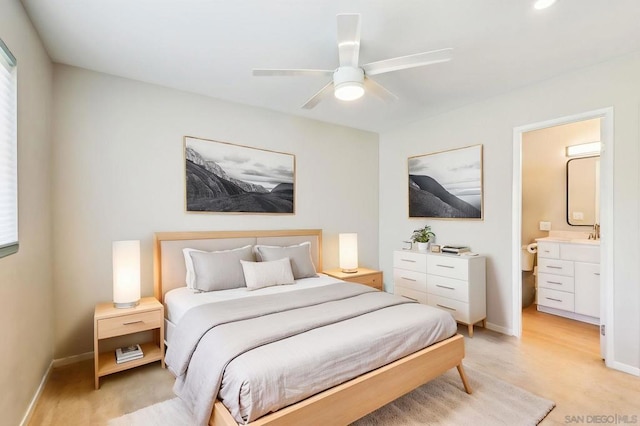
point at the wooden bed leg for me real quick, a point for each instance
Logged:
(463, 376)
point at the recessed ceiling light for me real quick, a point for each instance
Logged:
(543, 4)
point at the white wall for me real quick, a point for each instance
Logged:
(25, 277)
(615, 83)
(118, 173)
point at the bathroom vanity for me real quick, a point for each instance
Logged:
(569, 278)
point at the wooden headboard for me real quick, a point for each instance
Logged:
(168, 260)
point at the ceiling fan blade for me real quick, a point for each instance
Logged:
(320, 95)
(378, 91)
(410, 61)
(348, 39)
(292, 72)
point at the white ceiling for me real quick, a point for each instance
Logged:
(210, 47)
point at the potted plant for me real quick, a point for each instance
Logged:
(422, 236)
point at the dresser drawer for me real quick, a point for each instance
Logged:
(556, 299)
(459, 310)
(411, 294)
(448, 287)
(411, 261)
(556, 282)
(556, 267)
(448, 266)
(131, 323)
(549, 250)
(410, 279)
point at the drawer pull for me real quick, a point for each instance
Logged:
(446, 307)
(444, 286)
(445, 266)
(408, 279)
(411, 298)
(408, 260)
(554, 282)
(554, 267)
(551, 298)
(132, 322)
(596, 273)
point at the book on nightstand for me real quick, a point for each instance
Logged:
(128, 353)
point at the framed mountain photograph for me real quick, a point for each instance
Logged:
(221, 177)
(446, 184)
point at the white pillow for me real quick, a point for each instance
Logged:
(188, 262)
(264, 274)
(215, 270)
(300, 254)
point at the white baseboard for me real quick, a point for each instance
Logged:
(500, 329)
(624, 368)
(36, 397)
(72, 359)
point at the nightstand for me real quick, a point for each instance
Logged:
(364, 276)
(109, 322)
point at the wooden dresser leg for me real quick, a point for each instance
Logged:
(470, 326)
(463, 376)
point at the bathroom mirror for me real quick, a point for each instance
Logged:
(583, 191)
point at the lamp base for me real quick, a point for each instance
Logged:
(126, 304)
(349, 271)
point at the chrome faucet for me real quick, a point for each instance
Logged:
(595, 235)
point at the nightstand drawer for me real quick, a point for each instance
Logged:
(130, 323)
(410, 260)
(373, 280)
(448, 287)
(448, 266)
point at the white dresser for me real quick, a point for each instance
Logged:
(456, 284)
(569, 280)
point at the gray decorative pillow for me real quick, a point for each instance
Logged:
(265, 274)
(299, 254)
(220, 270)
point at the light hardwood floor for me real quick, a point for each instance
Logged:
(556, 358)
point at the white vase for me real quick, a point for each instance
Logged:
(423, 246)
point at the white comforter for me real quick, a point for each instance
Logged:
(264, 353)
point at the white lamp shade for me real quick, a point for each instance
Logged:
(126, 273)
(348, 252)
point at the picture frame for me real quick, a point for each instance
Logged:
(446, 184)
(435, 248)
(221, 177)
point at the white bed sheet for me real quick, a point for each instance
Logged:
(179, 300)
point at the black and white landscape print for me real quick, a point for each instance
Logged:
(446, 184)
(223, 177)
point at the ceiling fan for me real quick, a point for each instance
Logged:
(350, 80)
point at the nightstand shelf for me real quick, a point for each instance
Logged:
(112, 322)
(365, 276)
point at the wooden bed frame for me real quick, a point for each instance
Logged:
(351, 400)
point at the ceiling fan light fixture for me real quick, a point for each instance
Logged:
(348, 83)
(349, 91)
(543, 4)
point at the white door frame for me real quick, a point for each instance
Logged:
(606, 220)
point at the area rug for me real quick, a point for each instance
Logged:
(439, 402)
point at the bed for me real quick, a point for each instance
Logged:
(348, 396)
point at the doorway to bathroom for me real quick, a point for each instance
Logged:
(562, 275)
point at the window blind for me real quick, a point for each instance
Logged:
(8, 153)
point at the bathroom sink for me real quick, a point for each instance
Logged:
(569, 240)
